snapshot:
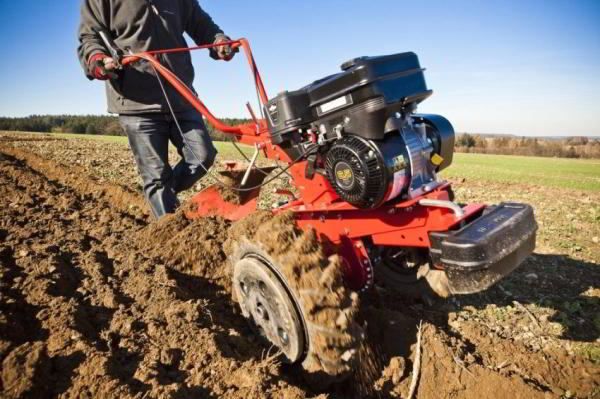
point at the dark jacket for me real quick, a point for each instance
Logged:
(144, 25)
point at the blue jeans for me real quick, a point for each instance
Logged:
(149, 136)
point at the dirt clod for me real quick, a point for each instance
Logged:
(22, 367)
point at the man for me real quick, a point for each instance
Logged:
(135, 93)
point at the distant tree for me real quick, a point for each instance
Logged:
(91, 124)
(571, 153)
(479, 141)
(577, 140)
(91, 129)
(465, 140)
(502, 142)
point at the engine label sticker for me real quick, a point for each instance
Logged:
(344, 176)
(400, 180)
(398, 163)
(334, 104)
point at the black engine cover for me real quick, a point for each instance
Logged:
(362, 97)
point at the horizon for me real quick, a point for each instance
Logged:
(556, 137)
(519, 68)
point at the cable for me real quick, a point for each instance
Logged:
(207, 171)
(248, 159)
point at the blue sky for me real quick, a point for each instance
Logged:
(518, 67)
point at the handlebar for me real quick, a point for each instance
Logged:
(235, 46)
(189, 95)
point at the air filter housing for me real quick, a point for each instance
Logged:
(365, 94)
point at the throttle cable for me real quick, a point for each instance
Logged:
(312, 150)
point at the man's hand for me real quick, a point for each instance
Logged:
(224, 52)
(102, 67)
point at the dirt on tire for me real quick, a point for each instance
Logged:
(328, 308)
(96, 300)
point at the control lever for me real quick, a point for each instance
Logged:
(115, 52)
(252, 162)
(256, 122)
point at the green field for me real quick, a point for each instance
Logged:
(583, 174)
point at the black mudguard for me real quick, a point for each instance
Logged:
(486, 249)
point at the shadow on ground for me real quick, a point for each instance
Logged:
(557, 283)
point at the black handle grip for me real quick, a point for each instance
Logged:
(115, 52)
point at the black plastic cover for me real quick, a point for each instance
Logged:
(441, 134)
(367, 91)
(486, 249)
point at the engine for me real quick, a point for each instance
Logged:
(360, 130)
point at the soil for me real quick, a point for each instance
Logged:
(97, 300)
(227, 189)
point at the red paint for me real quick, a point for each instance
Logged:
(339, 225)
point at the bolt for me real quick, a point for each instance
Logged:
(263, 288)
(283, 335)
(260, 310)
(244, 288)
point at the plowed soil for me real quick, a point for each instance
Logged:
(97, 300)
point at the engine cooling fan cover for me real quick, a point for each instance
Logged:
(356, 169)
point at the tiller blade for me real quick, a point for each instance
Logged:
(218, 200)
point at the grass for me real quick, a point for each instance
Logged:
(580, 174)
(583, 174)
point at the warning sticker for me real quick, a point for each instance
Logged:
(400, 179)
(398, 163)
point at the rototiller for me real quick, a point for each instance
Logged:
(365, 166)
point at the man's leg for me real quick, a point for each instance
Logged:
(195, 148)
(148, 136)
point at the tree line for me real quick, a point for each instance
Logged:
(82, 124)
(571, 147)
(90, 124)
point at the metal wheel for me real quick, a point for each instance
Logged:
(266, 302)
(294, 296)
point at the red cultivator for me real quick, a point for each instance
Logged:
(365, 167)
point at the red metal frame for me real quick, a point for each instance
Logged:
(336, 222)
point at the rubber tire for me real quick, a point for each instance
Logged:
(328, 309)
(430, 286)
